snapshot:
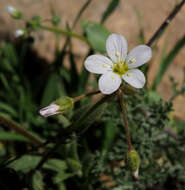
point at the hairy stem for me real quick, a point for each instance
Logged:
(78, 98)
(166, 22)
(123, 107)
(20, 130)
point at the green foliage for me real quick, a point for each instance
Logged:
(96, 35)
(38, 181)
(8, 136)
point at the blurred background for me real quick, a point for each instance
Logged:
(128, 19)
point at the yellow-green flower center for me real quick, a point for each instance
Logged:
(120, 68)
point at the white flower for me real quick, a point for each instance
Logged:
(11, 10)
(18, 33)
(120, 66)
(50, 110)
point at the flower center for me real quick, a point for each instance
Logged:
(120, 68)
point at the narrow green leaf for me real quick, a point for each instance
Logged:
(53, 90)
(9, 136)
(55, 165)
(7, 108)
(61, 177)
(9, 52)
(96, 35)
(65, 74)
(37, 181)
(5, 82)
(110, 132)
(6, 65)
(167, 61)
(73, 71)
(110, 9)
(90, 116)
(78, 112)
(75, 166)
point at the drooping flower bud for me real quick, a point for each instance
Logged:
(14, 13)
(133, 162)
(59, 106)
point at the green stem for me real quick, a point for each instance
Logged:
(123, 107)
(65, 32)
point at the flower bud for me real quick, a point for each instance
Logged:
(14, 13)
(50, 110)
(133, 162)
(59, 106)
(20, 32)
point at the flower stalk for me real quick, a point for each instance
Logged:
(123, 107)
(78, 98)
(65, 32)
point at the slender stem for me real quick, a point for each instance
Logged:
(65, 32)
(18, 129)
(166, 22)
(78, 98)
(123, 107)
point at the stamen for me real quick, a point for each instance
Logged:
(113, 77)
(105, 65)
(129, 74)
(132, 60)
(117, 54)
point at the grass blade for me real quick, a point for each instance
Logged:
(110, 9)
(167, 61)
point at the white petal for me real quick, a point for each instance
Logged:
(109, 82)
(135, 78)
(138, 56)
(116, 46)
(50, 110)
(98, 64)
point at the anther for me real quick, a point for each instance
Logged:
(129, 74)
(117, 54)
(132, 60)
(105, 65)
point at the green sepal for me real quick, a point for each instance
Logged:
(65, 103)
(16, 14)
